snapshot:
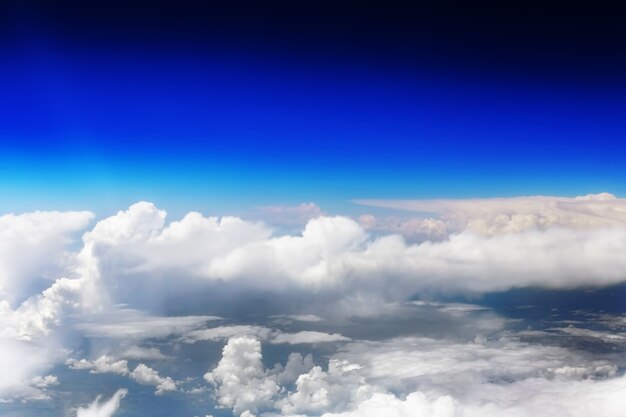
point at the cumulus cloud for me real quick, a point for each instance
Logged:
(335, 389)
(44, 381)
(421, 377)
(100, 408)
(102, 365)
(145, 375)
(335, 255)
(240, 378)
(142, 374)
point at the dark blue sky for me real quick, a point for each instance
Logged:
(221, 107)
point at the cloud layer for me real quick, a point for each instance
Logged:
(138, 298)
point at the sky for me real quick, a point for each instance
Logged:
(312, 209)
(226, 106)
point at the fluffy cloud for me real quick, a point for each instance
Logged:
(147, 376)
(336, 255)
(318, 390)
(103, 409)
(102, 365)
(33, 250)
(44, 381)
(21, 362)
(531, 398)
(142, 374)
(428, 377)
(240, 377)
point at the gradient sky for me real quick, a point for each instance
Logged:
(223, 107)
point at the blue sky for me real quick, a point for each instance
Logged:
(222, 130)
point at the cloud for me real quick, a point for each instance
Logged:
(226, 332)
(318, 390)
(335, 255)
(44, 381)
(21, 362)
(142, 374)
(296, 365)
(102, 365)
(530, 398)
(240, 378)
(134, 324)
(263, 333)
(407, 362)
(145, 353)
(33, 250)
(103, 409)
(491, 216)
(414, 228)
(147, 376)
(421, 377)
(308, 336)
(133, 268)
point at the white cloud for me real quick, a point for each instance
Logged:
(147, 376)
(134, 324)
(21, 362)
(33, 250)
(334, 256)
(142, 374)
(401, 363)
(226, 332)
(103, 409)
(102, 365)
(318, 391)
(308, 336)
(240, 378)
(428, 377)
(263, 333)
(492, 245)
(44, 381)
(529, 398)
